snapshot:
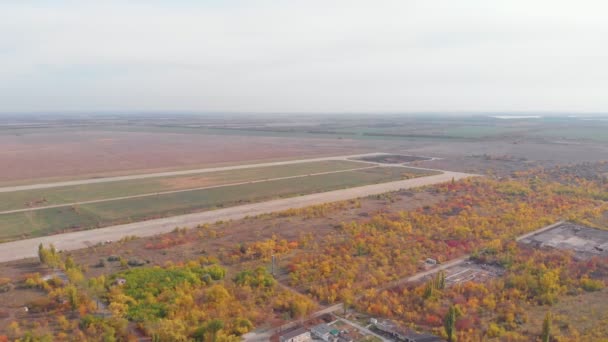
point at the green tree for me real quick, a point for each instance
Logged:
(199, 334)
(213, 326)
(216, 272)
(440, 280)
(72, 294)
(449, 323)
(242, 326)
(208, 331)
(546, 335)
(429, 290)
(69, 263)
(42, 254)
(109, 334)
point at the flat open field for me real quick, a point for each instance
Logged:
(98, 191)
(36, 150)
(585, 312)
(87, 216)
(57, 154)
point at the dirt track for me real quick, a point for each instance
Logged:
(76, 240)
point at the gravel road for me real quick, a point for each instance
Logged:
(69, 241)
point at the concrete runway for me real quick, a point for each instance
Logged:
(69, 241)
(179, 173)
(177, 191)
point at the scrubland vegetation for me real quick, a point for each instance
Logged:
(223, 295)
(478, 213)
(176, 302)
(500, 307)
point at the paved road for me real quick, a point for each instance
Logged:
(28, 248)
(182, 190)
(423, 274)
(538, 231)
(177, 173)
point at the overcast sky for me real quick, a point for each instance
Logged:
(304, 56)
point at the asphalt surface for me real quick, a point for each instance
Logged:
(70, 241)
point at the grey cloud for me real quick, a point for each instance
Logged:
(304, 55)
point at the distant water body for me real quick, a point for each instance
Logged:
(510, 117)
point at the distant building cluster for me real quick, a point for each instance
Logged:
(585, 242)
(320, 332)
(297, 335)
(397, 333)
(327, 333)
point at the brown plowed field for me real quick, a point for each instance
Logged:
(88, 154)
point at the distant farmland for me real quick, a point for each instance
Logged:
(55, 220)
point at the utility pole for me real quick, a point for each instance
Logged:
(273, 263)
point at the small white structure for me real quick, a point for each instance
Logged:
(297, 335)
(322, 332)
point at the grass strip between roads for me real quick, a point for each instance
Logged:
(98, 191)
(68, 218)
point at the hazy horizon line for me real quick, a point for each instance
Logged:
(280, 113)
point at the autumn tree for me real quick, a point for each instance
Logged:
(49, 256)
(14, 329)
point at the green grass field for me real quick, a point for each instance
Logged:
(48, 221)
(587, 133)
(80, 193)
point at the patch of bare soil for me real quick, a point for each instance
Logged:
(177, 183)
